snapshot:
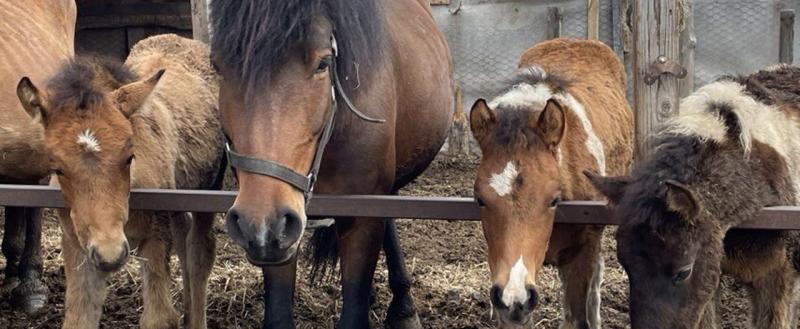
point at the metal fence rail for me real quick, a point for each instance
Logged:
(442, 208)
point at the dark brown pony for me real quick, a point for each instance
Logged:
(564, 112)
(734, 148)
(36, 37)
(277, 60)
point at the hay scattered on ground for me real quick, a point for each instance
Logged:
(447, 260)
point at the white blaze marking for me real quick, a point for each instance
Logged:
(503, 183)
(88, 141)
(523, 95)
(593, 143)
(515, 290)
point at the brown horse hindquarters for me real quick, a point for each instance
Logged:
(37, 37)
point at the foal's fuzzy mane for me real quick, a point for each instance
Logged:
(251, 37)
(80, 83)
(511, 127)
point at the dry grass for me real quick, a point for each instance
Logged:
(447, 260)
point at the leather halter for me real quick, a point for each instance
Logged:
(288, 175)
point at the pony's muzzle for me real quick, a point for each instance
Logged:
(109, 263)
(272, 241)
(519, 312)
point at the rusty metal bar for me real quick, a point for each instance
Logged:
(379, 206)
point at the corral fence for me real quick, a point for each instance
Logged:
(368, 206)
(486, 38)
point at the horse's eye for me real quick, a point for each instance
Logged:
(324, 64)
(682, 275)
(57, 172)
(479, 201)
(555, 202)
(129, 161)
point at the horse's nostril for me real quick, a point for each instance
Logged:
(496, 295)
(287, 229)
(232, 221)
(533, 297)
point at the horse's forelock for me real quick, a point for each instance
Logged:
(251, 37)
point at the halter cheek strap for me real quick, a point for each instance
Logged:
(288, 175)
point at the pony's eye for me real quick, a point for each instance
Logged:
(555, 202)
(479, 201)
(682, 275)
(324, 64)
(129, 161)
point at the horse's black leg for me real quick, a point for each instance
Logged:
(31, 294)
(279, 284)
(13, 244)
(402, 313)
(359, 247)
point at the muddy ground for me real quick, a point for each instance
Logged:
(447, 260)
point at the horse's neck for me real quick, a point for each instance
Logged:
(734, 190)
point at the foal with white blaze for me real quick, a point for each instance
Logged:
(109, 127)
(564, 112)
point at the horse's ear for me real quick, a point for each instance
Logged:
(31, 98)
(681, 200)
(481, 119)
(613, 187)
(129, 98)
(552, 124)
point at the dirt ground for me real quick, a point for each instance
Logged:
(447, 260)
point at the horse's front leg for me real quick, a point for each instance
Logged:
(402, 313)
(200, 253)
(86, 286)
(159, 313)
(279, 282)
(13, 245)
(360, 243)
(772, 295)
(581, 273)
(31, 294)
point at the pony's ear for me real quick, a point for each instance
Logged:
(552, 124)
(129, 98)
(481, 119)
(681, 200)
(32, 99)
(613, 187)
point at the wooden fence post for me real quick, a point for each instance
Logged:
(787, 36)
(200, 20)
(593, 20)
(554, 19)
(656, 36)
(688, 44)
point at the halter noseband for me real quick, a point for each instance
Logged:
(288, 175)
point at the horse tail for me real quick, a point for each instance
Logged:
(323, 251)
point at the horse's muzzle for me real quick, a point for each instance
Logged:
(109, 265)
(272, 242)
(517, 314)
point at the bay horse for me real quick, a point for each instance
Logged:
(151, 122)
(289, 69)
(563, 112)
(37, 36)
(733, 149)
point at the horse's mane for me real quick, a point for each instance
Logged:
(252, 36)
(81, 82)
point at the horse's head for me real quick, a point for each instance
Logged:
(518, 186)
(672, 266)
(277, 61)
(85, 110)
